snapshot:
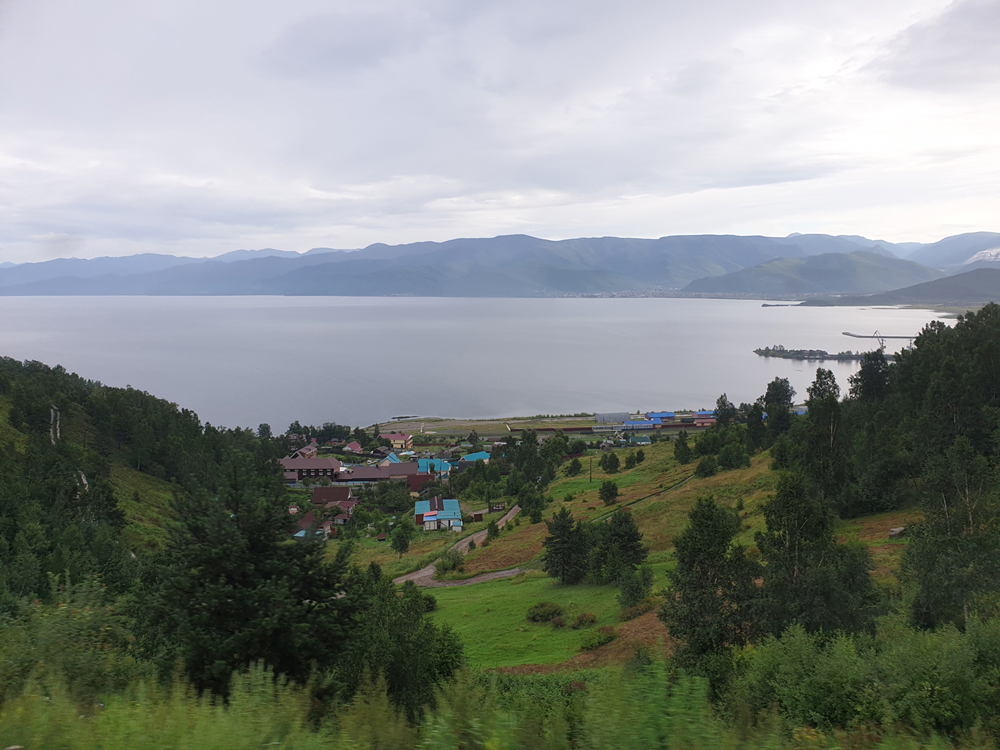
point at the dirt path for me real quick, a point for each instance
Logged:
(425, 576)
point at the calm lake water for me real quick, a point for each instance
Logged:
(240, 361)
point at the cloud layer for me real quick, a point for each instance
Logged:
(199, 128)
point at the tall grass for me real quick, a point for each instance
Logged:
(643, 709)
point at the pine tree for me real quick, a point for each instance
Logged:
(682, 451)
(617, 547)
(235, 589)
(565, 555)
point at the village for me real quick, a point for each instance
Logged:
(330, 479)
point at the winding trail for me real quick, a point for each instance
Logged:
(425, 576)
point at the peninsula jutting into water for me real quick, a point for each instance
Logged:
(810, 355)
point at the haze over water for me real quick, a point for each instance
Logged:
(241, 361)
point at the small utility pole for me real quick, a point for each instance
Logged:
(591, 468)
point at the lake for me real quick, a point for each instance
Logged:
(240, 361)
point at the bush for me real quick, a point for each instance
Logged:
(451, 560)
(569, 497)
(574, 468)
(707, 467)
(492, 531)
(597, 638)
(472, 544)
(430, 603)
(558, 622)
(585, 620)
(608, 492)
(640, 456)
(630, 461)
(734, 456)
(544, 612)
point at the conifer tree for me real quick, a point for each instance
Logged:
(235, 589)
(565, 555)
(682, 450)
(617, 548)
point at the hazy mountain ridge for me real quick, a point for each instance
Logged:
(513, 265)
(860, 272)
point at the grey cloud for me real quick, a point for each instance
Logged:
(314, 122)
(959, 49)
(343, 42)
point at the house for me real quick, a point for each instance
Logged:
(335, 494)
(307, 528)
(309, 468)
(308, 452)
(436, 514)
(639, 440)
(399, 441)
(417, 481)
(473, 457)
(469, 460)
(438, 466)
(353, 447)
(357, 475)
(392, 458)
(337, 499)
(661, 415)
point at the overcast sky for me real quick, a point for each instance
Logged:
(196, 128)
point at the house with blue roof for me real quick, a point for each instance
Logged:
(473, 457)
(661, 415)
(438, 466)
(437, 514)
(392, 458)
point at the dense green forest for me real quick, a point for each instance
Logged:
(150, 593)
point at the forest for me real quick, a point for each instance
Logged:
(150, 593)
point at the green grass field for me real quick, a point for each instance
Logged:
(491, 619)
(147, 517)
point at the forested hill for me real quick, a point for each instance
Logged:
(976, 287)
(859, 272)
(506, 266)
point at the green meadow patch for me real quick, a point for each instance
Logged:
(492, 619)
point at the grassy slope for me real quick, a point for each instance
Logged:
(147, 518)
(490, 617)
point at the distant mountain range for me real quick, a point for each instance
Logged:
(523, 266)
(829, 273)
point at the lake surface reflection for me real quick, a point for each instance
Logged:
(240, 361)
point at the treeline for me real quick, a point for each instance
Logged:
(795, 620)
(83, 609)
